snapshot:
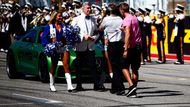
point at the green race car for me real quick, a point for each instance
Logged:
(26, 57)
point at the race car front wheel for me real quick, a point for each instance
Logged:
(43, 69)
(11, 66)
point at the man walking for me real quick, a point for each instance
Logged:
(132, 48)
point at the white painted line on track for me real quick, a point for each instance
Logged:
(16, 104)
(182, 79)
(39, 99)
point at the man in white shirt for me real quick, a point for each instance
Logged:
(85, 50)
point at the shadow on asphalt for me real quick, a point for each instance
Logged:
(158, 93)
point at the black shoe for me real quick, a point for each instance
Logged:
(77, 89)
(131, 91)
(70, 90)
(100, 88)
(113, 91)
(122, 93)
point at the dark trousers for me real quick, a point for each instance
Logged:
(115, 53)
(179, 48)
(160, 48)
(144, 47)
(87, 59)
(146, 43)
(5, 40)
(101, 67)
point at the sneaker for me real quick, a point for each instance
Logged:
(6, 51)
(112, 91)
(133, 94)
(77, 89)
(142, 63)
(178, 62)
(2, 50)
(99, 88)
(121, 93)
(159, 62)
(131, 91)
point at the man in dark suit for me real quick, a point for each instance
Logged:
(147, 35)
(179, 33)
(16, 21)
(27, 17)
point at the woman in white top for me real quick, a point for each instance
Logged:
(113, 38)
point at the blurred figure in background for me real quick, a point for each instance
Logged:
(45, 16)
(139, 13)
(147, 35)
(16, 21)
(5, 39)
(159, 23)
(27, 17)
(77, 7)
(179, 33)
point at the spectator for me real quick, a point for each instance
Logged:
(147, 35)
(179, 33)
(160, 24)
(139, 14)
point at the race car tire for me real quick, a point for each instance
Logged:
(43, 69)
(11, 66)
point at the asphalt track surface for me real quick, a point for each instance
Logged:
(160, 85)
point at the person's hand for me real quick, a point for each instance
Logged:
(164, 37)
(88, 37)
(122, 28)
(91, 38)
(125, 54)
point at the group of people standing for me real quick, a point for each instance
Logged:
(122, 47)
(146, 22)
(126, 38)
(16, 20)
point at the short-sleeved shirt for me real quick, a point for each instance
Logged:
(112, 25)
(135, 32)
